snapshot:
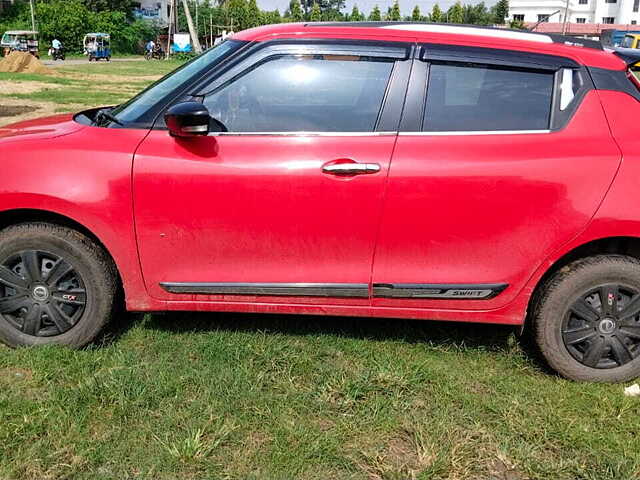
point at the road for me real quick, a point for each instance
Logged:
(81, 61)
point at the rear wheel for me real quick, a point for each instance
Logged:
(587, 319)
(56, 286)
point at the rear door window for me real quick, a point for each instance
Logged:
(477, 97)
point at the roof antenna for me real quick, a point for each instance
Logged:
(532, 29)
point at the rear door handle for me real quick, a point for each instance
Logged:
(351, 168)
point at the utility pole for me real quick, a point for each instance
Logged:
(192, 31)
(33, 16)
(171, 16)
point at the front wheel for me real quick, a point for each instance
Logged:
(56, 286)
(587, 319)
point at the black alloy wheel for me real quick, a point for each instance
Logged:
(602, 328)
(41, 294)
(57, 286)
(586, 319)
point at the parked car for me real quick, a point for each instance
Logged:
(368, 169)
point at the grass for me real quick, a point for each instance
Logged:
(276, 397)
(92, 84)
(230, 396)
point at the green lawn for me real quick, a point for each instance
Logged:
(230, 396)
(87, 85)
(239, 396)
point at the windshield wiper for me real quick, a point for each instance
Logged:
(105, 113)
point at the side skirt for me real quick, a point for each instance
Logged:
(481, 291)
(351, 290)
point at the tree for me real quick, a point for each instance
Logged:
(329, 9)
(295, 12)
(192, 29)
(415, 14)
(253, 14)
(455, 14)
(124, 6)
(436, 14)
(375, 15)
(501, 10)
(356, 16)
(268, 18)
(394, 12)
(66, 20)
(477, 14)
(238, 12)
(316, 13)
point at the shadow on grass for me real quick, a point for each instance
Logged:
(486, 337)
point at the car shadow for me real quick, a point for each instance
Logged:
(469, 335)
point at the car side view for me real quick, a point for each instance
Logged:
(400, 170)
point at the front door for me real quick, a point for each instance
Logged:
(285, 205)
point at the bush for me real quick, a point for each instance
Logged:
(126, 37)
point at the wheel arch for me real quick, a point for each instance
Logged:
(616, 245)
(12, 217)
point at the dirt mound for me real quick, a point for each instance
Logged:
(13, 110)
(22, 62)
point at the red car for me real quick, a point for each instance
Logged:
(369, 169)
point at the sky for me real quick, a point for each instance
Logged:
(406, 6)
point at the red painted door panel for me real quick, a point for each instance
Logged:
(257, 208)
(472, 209)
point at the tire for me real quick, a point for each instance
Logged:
(586, 319)
(52, 306)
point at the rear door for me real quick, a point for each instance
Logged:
(502, 157)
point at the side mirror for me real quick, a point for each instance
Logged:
(187, 119)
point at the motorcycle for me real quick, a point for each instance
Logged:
(58, 53)
(157, 53)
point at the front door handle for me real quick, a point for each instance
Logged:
(351, 168)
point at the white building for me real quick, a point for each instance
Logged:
(578, 11)
(152, 10)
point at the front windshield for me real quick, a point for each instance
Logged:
(135, 108)
(8, 39)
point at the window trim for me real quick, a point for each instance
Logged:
(481, 61)
(411, 123)
(390, 111)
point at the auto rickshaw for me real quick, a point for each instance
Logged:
(21, 41)
(97, 46)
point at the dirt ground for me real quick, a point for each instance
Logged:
(14, 110)
(10, 87)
